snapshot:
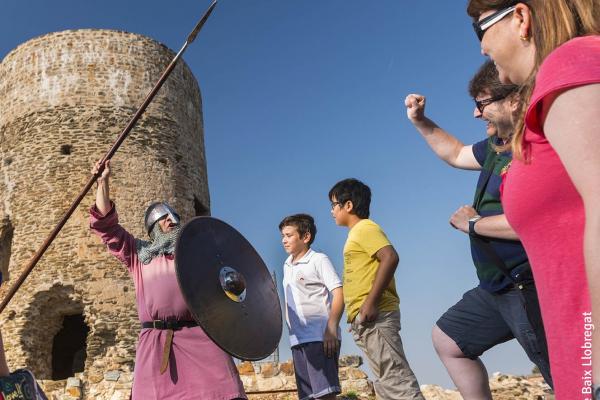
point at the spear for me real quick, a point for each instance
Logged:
(38, 255)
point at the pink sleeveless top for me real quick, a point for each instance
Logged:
(545, 209)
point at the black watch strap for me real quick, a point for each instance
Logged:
(472, 223)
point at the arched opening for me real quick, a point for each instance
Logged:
(53, 325)
(6, 236)
(69, 347)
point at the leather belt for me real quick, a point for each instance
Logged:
(170, 327)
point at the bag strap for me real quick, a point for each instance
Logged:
(484, 244)
(495, 258)
(488, 169)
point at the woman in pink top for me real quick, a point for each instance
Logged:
(175, 359)
(552, 190)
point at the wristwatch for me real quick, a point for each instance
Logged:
(472, 222)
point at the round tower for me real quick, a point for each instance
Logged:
(64, 98)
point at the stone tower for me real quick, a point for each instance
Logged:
(64, 98)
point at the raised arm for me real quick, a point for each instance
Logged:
(103, 203)
(572, 126)
(104, 222)
(444, 145)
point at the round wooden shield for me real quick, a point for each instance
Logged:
(228, 288)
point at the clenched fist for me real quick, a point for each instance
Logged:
(415, 107)
(460, 218)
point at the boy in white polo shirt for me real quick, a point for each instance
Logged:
(314, 306)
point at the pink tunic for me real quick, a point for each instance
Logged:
(198, 369)
(545, 209)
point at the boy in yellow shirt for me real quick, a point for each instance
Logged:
(372, 303)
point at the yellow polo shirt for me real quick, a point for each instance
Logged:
(365, 239)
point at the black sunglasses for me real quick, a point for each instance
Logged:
(481, 26)
(482, 104)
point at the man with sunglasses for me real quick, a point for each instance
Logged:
(504, 305)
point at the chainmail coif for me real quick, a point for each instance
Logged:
(161, 243)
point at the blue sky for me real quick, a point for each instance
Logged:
(298, 94)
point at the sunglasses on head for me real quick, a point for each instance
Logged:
(482, 25)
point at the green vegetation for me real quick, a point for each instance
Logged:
(350, 395)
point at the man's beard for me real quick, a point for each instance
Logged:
(504, 129)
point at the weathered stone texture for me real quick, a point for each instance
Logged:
(503, 386)
(264, 377)
(356, 385)
(64, 98)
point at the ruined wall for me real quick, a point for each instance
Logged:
(64, 98)
(274, 377)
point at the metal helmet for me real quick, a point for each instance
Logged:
(157, 211)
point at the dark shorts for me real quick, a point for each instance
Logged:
(481, 320)
(316, 374)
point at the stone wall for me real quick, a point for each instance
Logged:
(256, 377)
(268, 377)
(64, 98)
(280, 377)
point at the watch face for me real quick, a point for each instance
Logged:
(475, 218)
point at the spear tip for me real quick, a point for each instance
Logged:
(200, 23)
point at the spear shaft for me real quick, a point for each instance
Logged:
(38, 255)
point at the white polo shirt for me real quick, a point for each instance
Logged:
(307, 284)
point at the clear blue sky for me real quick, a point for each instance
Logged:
(299, 94)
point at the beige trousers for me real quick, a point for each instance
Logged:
(380, 342)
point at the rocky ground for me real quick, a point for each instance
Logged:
(504, 387)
